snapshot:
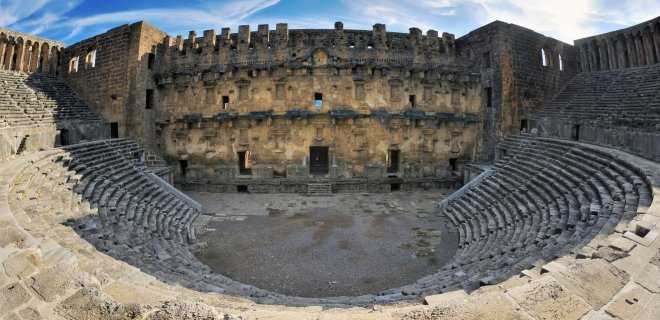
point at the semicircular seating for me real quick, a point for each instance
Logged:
(544, 198)
(100, 205)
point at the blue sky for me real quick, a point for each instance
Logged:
(74, 20)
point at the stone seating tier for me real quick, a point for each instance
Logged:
(32, 100)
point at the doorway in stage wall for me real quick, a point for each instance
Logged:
(318, 161)
(393, 161)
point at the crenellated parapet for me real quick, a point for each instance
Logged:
(313, 69)
(305, 47)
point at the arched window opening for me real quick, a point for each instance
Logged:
(561, 63)
(90, 59)
(544, 59)
(73, 65)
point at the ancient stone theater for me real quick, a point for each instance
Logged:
(277, 173)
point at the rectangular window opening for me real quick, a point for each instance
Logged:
(395, 187)
(225, 102)
(453, 164)
(241, 188)
(183, 166)
(150, 99)
(524, 125)
(318, 99)
(412, 101)
(150, 61)
(575, 133)
(489, 97)
(64, 137)
(114, 130)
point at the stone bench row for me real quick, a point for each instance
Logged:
(544, 199)
(36, 100)
(623, 97)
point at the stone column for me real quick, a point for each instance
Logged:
(44, 51)
(20, 52)
(9, 54)
(594, 57)
(620, 48)
(602, 53)
(639, 49)
(630, 48)
(655, 34)
(54, 58)
(3, 47)
(34, 61)
(27, 56)
(648, 46)
(611, 55)
(586, 57)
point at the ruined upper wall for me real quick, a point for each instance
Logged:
(630, 47)
(520, 70)
(110, 71)
(28, 53)
(283, 46)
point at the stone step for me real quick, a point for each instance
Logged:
(319, 189)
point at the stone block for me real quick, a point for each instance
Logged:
(12, 316)
(13, 236)
(636, 261)
(649, 278)
(30, 313)
(22, 264)
(445, 298)
(622, 244)
(629, 303)
(53, 282)
(491, 305)
(597, 315)
(545, 298)
(595, 281)
(91, 303)
(13, 296)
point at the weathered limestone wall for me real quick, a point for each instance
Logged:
(630, 47)
(380, 91)
(113, 81)
(21, 140)
(643, 143)
(510, 60)
(28, 53)
(358, 148)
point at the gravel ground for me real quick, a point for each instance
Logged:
(325, 246)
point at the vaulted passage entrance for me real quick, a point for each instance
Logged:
(318, 161)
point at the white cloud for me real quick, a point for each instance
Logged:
(178, 19)
(403, 14)
(563, 19)
(15, 10)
